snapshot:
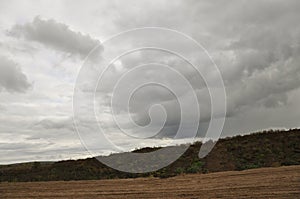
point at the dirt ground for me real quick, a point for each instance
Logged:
(280, 182)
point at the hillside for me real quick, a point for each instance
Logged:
(264, 149)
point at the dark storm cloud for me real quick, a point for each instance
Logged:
(56, 35)
(12, 78)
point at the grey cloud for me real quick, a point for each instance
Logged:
(276, 79)
(256, 45)
(58, 123)
(12, 78)
(56, 35)
(21, 146)
(275, 100)
(260, 40)
(2, 108)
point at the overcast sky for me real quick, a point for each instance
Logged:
(43, 44)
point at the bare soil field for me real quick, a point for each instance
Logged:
(280, 182)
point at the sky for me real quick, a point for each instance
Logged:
(44, 45)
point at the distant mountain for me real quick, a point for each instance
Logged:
(263, 149)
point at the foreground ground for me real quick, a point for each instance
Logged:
(280, 182)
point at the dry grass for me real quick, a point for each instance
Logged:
(280, 182)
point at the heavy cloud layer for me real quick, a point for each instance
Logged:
(256, 45)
